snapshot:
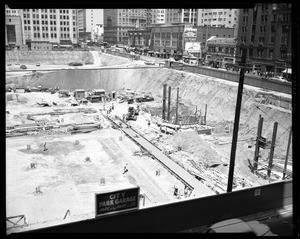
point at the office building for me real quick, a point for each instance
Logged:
(118, 21)
(13, 28)
(90, 23)
(219, 18)
(50, 25)
(265, 32)
(181, 16)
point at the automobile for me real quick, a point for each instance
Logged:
(83, 101)
(38, 64)
(130, 101)
(75, 64)
(9, 64)
(23, 67)
(237, 225)
(74, 103)
(149, 63)
(139, 99)
(148, 98)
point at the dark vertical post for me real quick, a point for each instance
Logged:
(258, 138)
(164, 101)
(177, 104)
(169, 103)
(236, 122)
(287, 154)
(272, 148)
(205, 114)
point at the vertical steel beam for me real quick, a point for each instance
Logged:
(169, 103)
(287, 154)
(258, 138)
(177, 105)
(272, 148)
(205, 114)
(236, 121)
(164, 101)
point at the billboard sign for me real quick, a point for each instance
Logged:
(192, 46)
(190, 34)
(117, 201)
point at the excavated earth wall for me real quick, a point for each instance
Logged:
(47, 57)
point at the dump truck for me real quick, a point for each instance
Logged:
(132, 113)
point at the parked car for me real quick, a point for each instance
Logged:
(75, 64)
(9, 65)
(74, 103)
(148, 98)
(23, 67)
(149, 63)
(38, 64)
(83, 101)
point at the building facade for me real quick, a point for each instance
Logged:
(266, 32)
(90, 23)
(139, 38)
(167, 39)
(14, 32)
(118, 21)
(50, 25)
(228, 18)
(221, 51)
(181, 16)
(13, 28)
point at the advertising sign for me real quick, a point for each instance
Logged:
(116, 201)
(190, 34)
(192, 46)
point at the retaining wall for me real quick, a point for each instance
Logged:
(187, 214)
(253, 80)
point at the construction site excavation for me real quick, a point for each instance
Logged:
(114, 123)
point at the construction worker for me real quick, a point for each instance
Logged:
(45, 148)
(125, 169)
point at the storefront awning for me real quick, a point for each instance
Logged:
(288, 71)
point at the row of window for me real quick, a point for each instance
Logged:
(261, 39)
(46, 22)
(50, 10)
(226, 50)
(53, 35)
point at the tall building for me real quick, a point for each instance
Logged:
(158, 16)
(90, 22)
(50, 25)
(219, 18)
(266, 32)
(181, 16)
(13, 28)
(118, 21)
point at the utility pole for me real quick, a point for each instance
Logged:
(287, 154)
(236, 121)
(272, 149)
